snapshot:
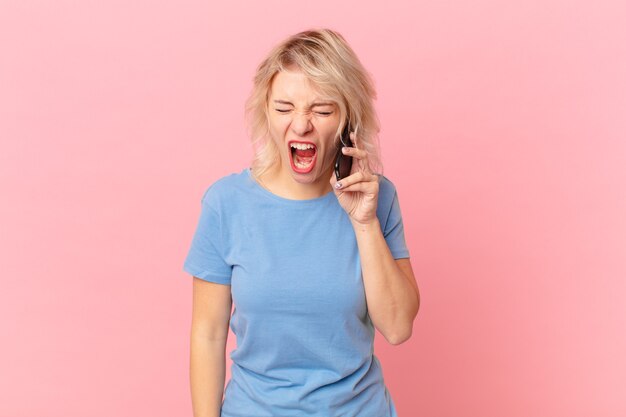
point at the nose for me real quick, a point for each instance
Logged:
(301, 123)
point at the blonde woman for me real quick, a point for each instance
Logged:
(312, 264)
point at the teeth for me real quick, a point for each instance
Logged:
(302, 146)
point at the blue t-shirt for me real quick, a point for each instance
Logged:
(304, 336)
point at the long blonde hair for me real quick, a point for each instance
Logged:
(325, 57)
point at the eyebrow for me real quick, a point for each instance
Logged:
(323, 103)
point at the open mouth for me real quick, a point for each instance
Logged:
(303, 156)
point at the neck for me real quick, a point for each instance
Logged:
(281, 183)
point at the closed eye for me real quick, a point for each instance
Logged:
(320, 113)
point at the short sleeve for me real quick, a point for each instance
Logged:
(394, 230)
(205, 258)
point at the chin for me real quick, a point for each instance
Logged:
(304, 178)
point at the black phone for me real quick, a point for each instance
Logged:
(343, 163)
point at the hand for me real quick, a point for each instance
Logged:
(358, 194)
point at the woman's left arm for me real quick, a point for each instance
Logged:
(392, 295)
(391, 291)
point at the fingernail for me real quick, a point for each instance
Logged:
(344, 149)
(338, 185)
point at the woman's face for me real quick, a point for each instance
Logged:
(300, 115)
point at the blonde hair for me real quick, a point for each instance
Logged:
(325, 57)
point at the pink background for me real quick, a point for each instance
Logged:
(503, 128)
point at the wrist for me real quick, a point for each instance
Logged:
(374, 224)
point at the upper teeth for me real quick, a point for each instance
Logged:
(302, 146)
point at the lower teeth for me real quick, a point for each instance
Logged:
(298, 164)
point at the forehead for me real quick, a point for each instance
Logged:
(294, 85)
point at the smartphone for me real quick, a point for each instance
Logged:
(343, 163)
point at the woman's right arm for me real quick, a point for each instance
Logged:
(209, 331)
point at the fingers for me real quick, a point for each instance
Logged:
(354, 152)
(359, 181)
(360, 154)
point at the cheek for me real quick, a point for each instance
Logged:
(276, 123)
(330, 152)
(277, 129)
(330, 140)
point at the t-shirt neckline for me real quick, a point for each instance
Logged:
(270, 194)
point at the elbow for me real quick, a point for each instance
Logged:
(403, 333)
(399, 338)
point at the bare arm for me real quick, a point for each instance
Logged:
(209, 332)
(392, 294)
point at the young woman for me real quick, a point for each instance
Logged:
(312, 264)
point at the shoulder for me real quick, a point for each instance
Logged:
(386, 188)
(386, 197)
(218, 192)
